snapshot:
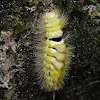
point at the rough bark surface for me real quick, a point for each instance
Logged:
(18, 24)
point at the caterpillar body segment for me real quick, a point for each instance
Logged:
(53, 56)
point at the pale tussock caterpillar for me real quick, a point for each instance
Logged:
(52, 54)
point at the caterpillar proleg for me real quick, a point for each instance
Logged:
(52, 55)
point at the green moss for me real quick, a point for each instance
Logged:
(35, 1)
(15, 24)
(75, 5)
(85, 39)
(20, 27)
(98, 7)
(2, 94)
(94, 1)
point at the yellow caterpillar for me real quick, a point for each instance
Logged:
(52, 55)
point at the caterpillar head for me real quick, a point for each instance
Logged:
(50, 16)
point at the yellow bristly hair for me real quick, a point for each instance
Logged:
(53, 56)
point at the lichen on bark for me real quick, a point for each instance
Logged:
(18, 24)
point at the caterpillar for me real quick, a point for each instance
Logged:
(52, 53)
